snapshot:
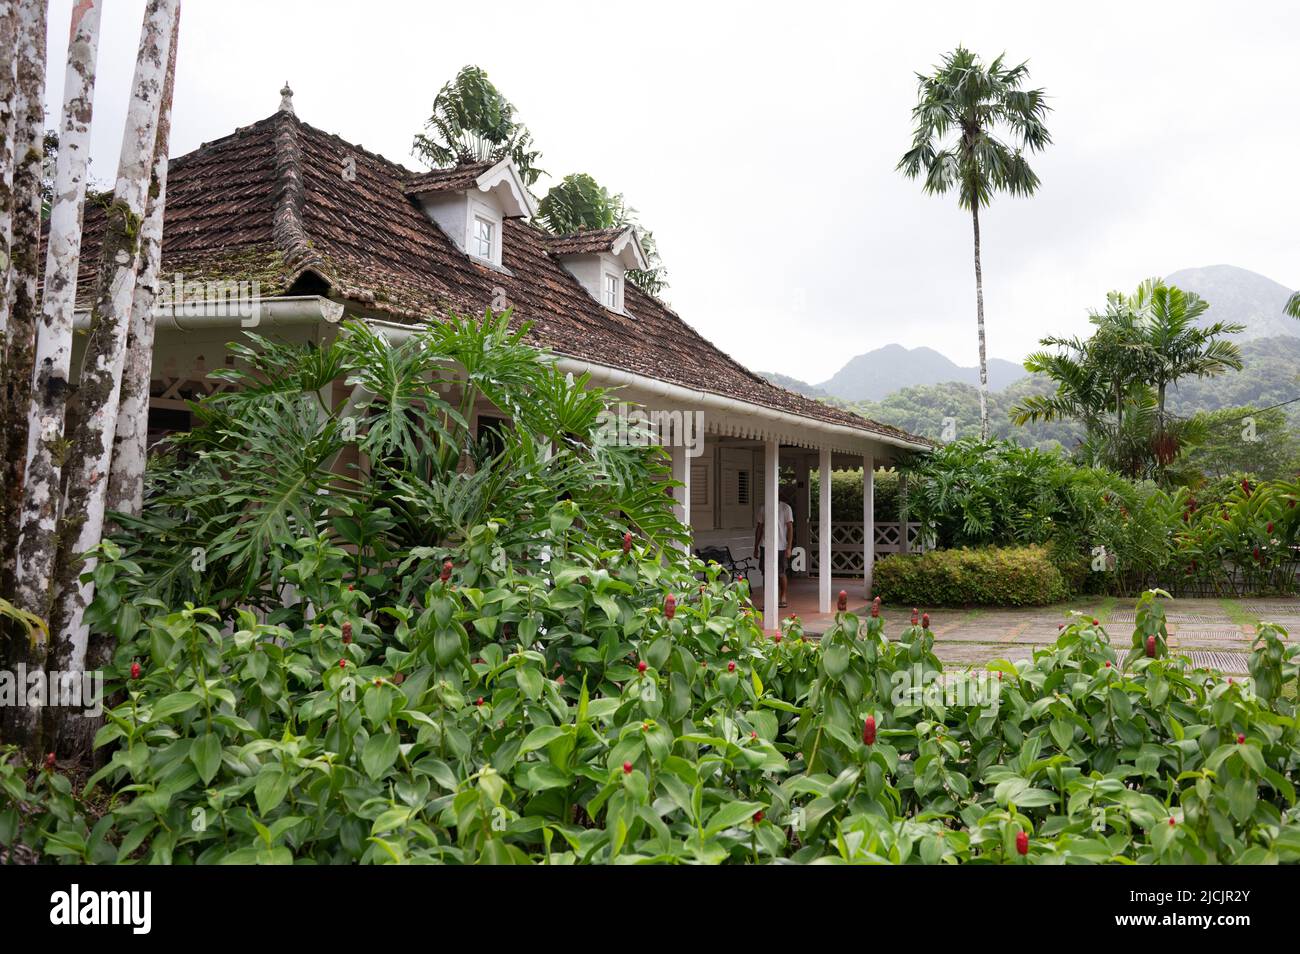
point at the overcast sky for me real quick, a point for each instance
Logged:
(759, 143)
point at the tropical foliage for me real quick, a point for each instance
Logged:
(1107, 533)
(579, 715)
(1116, 382)
(987, 576)
(472, 121)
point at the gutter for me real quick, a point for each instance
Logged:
(251, 315)
(616, 376)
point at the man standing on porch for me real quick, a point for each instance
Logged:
(784, 541)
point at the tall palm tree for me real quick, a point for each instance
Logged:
(962, 108)
(472, 121)
(1293, 305)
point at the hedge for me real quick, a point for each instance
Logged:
(989, 576)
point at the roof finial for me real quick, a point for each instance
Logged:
(286, 99)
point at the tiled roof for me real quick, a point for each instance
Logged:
(290, 206)
(585, 243)
(446, 180)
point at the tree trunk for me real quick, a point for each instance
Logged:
(98, 389)
(41, 491)
(29, 155)
(130, 441)
(979, 321)
(8, 82)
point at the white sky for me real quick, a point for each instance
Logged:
(758, 141)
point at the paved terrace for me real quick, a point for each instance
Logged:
(1215, 633)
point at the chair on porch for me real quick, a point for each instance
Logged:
(722, 556)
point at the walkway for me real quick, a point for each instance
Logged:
(1213, 632)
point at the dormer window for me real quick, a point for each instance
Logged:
(470, 203)
(600, 260)
(484, 241)
(613, 292)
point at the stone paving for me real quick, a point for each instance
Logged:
(1213, 632)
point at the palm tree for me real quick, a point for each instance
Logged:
(578, 203)
(1293, 305)
(472, 121)
(972, 103)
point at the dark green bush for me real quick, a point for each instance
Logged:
(991, 576)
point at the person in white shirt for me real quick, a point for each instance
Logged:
(784, 543)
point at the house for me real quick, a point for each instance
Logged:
(295, 227)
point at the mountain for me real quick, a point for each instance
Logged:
(872, 376)
(794, 384)
(1239, 295)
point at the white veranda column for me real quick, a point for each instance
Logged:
(681, 460)
(771, 514)
(868, 522)
(904, 544)
(824, 532)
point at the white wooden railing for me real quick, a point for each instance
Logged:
(846, 545)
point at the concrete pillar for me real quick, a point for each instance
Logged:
(868, 522)
(771, 513)
(824, 532)
(681, 463)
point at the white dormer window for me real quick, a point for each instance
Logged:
(471, 203)
(484, 240)
(613, 292)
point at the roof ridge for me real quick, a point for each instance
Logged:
(288, 228)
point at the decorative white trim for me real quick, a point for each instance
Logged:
(505, 181)
(627, 249)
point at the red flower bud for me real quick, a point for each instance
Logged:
(49, 762)
(875, 610)
(641, 666)
(1107, 663)
(1060, 626)
(478, 701)
(758, 816)
(776, 638)
(135, 670)
(1269, 528)
(1022, 843)
(844, 600)
(347, 633)
(925, 620)
(1241, 738)
(1151, 647)
(869, 731)
(1172, 823)
(670, 606)
(446, 571)
(627, 768)
(343, 664)
(1096, 622)
(731, 666)
(627, 542)
(1245, 487)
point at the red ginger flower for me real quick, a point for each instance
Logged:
(925, 620)
(446, 571)
(135, 670)
(869, 731)
(347, 633)
(49, 762)
(627, 768)
(670, 606)
(844, 600)
(731, 666)
(641, 666)
(1151, 647)
(758, 816)
(1241, 738)
(1022, 843)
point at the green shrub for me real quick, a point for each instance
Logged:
(846, 495)
(989, 576)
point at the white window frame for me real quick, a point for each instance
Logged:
(606, 274)
(491, 216)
